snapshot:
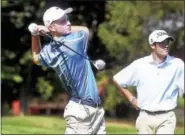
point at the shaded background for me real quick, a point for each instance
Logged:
(118, 34)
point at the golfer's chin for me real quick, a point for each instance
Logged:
(68, 31)
(164, 54)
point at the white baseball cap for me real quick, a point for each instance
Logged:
(159, 36)
(54, 13)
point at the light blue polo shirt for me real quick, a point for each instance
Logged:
(157, 85)
(75, 72)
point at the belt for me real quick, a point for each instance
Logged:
(156, 112)
(77, 100)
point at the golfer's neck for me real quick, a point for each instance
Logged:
(56, 36)
(157, 58)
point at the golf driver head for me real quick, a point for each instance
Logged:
(99, 64)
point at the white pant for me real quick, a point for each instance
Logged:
(164, 123)
(83, 119)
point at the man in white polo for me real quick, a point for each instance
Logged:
(159, 79)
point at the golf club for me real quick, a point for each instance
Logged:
(98, 64)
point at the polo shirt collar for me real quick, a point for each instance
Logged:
(61, 38)
(151, 61)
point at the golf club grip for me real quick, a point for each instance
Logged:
(46, 34)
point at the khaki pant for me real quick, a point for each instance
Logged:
(163, 123)
(83, 119)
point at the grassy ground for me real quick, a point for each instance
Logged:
(56, 125)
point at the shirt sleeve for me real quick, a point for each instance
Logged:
(127, 76)
(180, 78)
(85, 38)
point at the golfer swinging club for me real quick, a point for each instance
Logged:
(83, 113)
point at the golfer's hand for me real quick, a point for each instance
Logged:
(37, 29)
(133, 101)
(42, 29)
(135, 106)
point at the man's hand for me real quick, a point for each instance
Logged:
(37, 29)
(133, 101)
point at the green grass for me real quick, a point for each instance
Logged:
(181, 102)
(56, 125)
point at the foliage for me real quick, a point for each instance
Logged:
(180, 102)
(44, 87)
(125, 30)
(9, 72)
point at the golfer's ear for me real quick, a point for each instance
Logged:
(51, 28)
(153, 46)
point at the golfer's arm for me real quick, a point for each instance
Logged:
(125, 92)
(36, 47)
(79, 28)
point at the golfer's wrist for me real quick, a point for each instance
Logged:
(132, 99)
(34, 34)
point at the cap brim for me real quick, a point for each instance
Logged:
(68, 10)
(164, 37)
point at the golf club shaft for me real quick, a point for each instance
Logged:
(62, 43)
